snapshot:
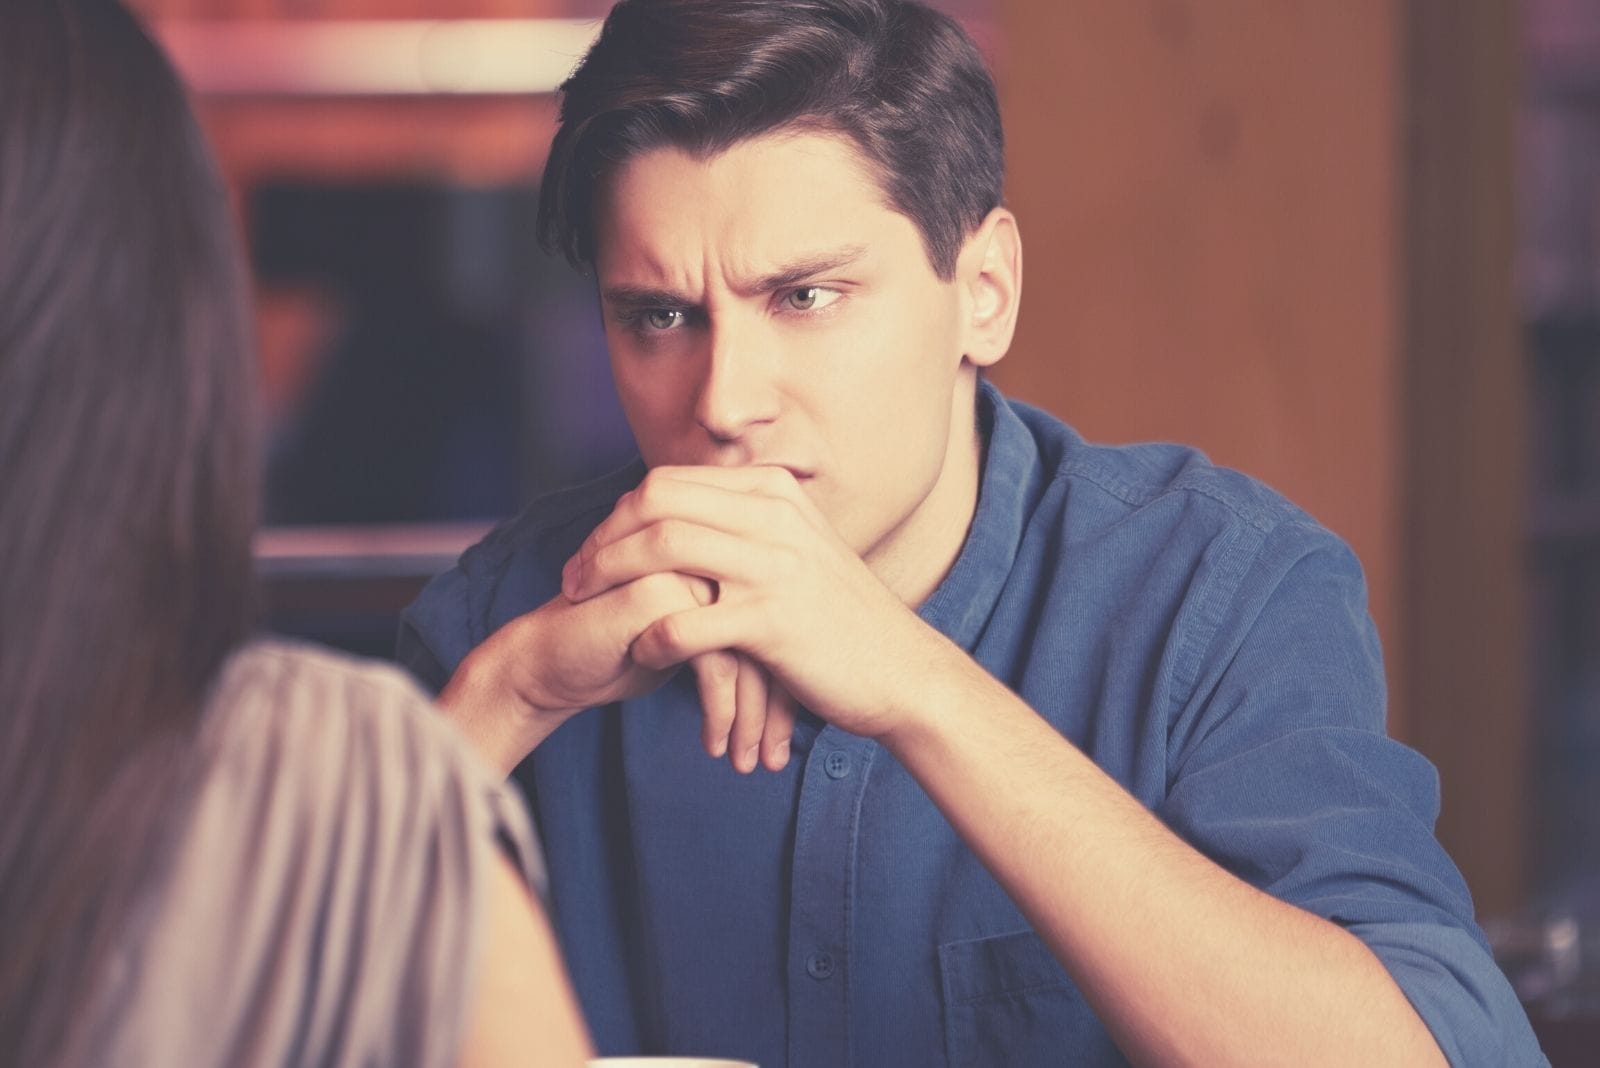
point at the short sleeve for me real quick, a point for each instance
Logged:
(326, 903)
(1282, 773)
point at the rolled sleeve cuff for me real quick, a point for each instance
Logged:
(1459, 992)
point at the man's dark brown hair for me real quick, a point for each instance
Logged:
(900, 80)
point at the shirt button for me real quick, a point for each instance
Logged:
(819, 966)
(837, 765)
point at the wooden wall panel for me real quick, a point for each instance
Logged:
(1207, 193)
(1281, 230)
(1466, 461)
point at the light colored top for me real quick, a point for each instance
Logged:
(326, 903)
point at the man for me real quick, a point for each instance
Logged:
(1073, 754)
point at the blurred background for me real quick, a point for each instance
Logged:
(1349, 248)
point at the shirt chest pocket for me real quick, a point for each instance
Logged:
(1007, 1002)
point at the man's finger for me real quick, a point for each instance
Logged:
(779, 730)
(749, 721)
(730, 505)
(717, 674)
(768, 480)
(682, 636)
(635, 605)
(670, 546)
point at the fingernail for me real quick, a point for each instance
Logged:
(751, 757)
(719, 748)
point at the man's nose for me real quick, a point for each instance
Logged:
(737, 391)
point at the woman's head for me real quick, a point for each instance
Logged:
(127, 471)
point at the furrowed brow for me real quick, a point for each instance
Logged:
(643, 297)
(802, 270)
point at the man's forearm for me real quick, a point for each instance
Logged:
(1182, 961)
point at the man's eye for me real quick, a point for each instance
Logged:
(663, 318)
(810, 298)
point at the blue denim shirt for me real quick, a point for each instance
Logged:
(1205, 642)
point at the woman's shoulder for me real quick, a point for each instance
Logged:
(282, 686)
(350, 739)
(326, 891)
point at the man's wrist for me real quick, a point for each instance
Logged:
(501, 715)
(928, 706)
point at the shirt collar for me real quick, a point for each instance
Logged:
(963, 602)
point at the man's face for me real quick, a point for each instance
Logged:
(765, 306)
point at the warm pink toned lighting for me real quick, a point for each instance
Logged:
(377, 58)
(420, 548)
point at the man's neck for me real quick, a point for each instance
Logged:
(915, 558)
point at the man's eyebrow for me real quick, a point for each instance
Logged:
(807, 268)
(645, 297)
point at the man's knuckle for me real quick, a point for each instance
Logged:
(647, 498)
(669, 634)
(667, 537)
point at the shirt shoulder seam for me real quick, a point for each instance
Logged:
(1136, 497)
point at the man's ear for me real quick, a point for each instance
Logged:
(989, 272)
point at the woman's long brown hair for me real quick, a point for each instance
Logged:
(127, 487)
